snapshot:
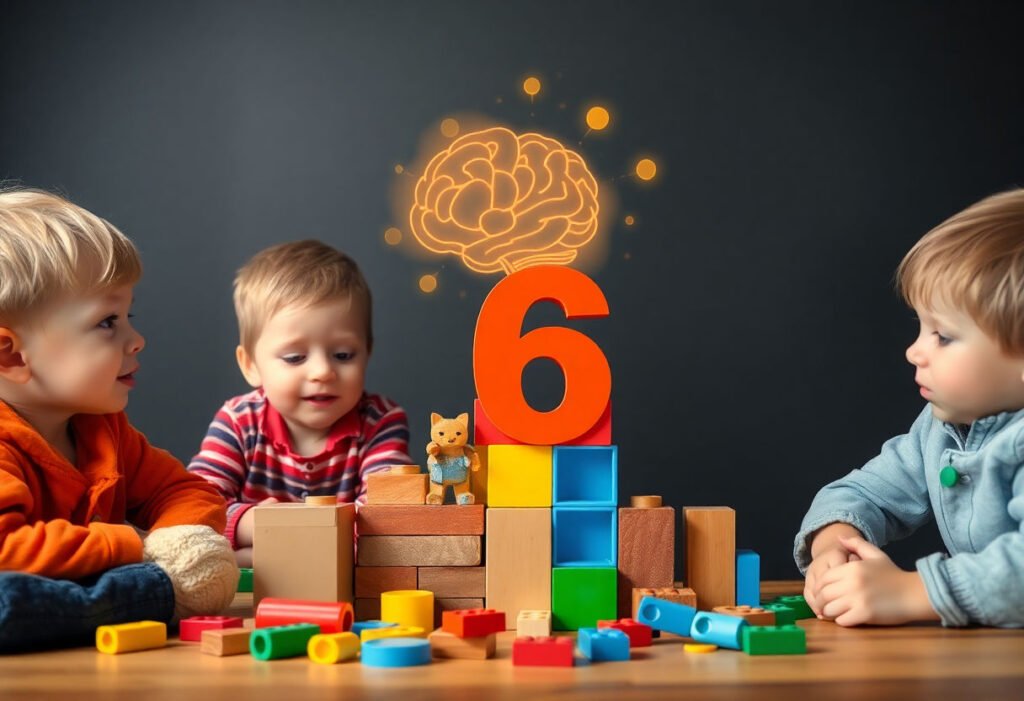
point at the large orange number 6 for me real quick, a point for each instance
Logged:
(500, 354)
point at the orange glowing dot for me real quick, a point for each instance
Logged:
(393, 236)
(646, 169)
(449, 127)
(627, 256)
(399, 169)
(428, 283)
(531, 86)
(598, 118)
(630, 220)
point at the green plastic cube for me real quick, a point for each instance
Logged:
(784, 615)
(245, 579)
(581, 596)
(774, 640)
(798, 604)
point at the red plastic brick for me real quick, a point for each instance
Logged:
(639, 633)
(473, 623)
(542, 652)
(191, 629)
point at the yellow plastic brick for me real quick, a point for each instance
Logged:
(129, 637)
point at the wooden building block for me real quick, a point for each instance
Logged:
(446, 645)
(225, 641)
(677, 595)
(535, 624)
(518, 560)
(753, 615)
(647, 542)
(373, 581)
(711, 554)
(396, 488)
(449, 604)
(303, 551)
(420, 519)
(367, 609)
(420, 550)
(519, 475)
(453, 582)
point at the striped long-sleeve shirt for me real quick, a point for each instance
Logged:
(247, 454)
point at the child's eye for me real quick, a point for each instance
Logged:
(344, 355)
(109, 322)
(293, 359)
(943, 340)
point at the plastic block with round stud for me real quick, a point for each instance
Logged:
(603, 644)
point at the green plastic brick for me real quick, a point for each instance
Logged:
(784, 615)
(774, 640)
(581, 596)
(798, 604)
(245, 579)
(281, 641)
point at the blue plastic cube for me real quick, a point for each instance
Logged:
(603, 644)
(585, 475)
(584, 537)
(748, 578)
(666, 615)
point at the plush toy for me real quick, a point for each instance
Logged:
(200, 564)
(450, 458)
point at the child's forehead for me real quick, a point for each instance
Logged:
(337, 317)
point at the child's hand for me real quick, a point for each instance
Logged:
(872, 589)
(826, 552)
(243, 531)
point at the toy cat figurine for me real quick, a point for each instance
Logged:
(450, 458)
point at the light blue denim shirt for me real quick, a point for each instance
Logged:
(980, 517)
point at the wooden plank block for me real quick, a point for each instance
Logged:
(396, 488)
(367, 609)
(420, 550)
(448, 645)
(647, 541)
(453, 582)
(442, 605)
(677, 595)
(518, 560)
(371, 581)
(225, 641)
(420, 519)
(711, 554)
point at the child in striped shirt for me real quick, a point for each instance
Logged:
(308, 427)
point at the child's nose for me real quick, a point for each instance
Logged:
(914, 354)
(137, 342)
(321, 369)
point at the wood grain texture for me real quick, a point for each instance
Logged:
(225, 642)
(711, 554)
(677, 595)
(413, 519)
(420, 550)
(518, 560)
(391, 488)
(647, 544)
(371, 581)
(453, 582)
(449, 646)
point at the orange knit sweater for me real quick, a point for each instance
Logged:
(65, 521)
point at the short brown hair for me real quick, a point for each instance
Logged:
(301, 272)
(974, 261)
(50, 246)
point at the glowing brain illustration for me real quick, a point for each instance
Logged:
(504, 201)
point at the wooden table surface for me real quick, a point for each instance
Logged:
(906, 662)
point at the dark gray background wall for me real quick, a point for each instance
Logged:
(755, 340)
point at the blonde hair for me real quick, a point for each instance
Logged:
(50, 247)
(301, 272)
(974, 261)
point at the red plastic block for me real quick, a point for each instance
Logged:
(542, 652)
(486, 433)
(191, 629)
(332, 617)
(473, 623)
(639, 633)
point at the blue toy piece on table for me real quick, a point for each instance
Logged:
(396, 652)
(718, 629)
(603, 644)
(359, 626)
(666, 615)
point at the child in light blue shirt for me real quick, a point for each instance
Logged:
(960, 464)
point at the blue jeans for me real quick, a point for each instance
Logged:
(38, 613)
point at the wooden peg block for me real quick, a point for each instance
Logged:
(447, 645)
(396, 488)
(420, 550)
(676, 595)
(225, 642)
(711, 554)
(647, 543)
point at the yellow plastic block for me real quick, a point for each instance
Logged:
(331, 648)
(408, 607)
(518, 475)
(392, 632)
(129, 637)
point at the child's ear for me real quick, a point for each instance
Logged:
(249, 370)
(12, 363)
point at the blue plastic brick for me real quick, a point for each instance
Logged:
(585, 475)
(359, 626)
(748, 578)
(718, 629)
(395, 652)
(603, 644)
(584, 536)
(666, 615)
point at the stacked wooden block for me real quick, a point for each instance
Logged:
(405, 544)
